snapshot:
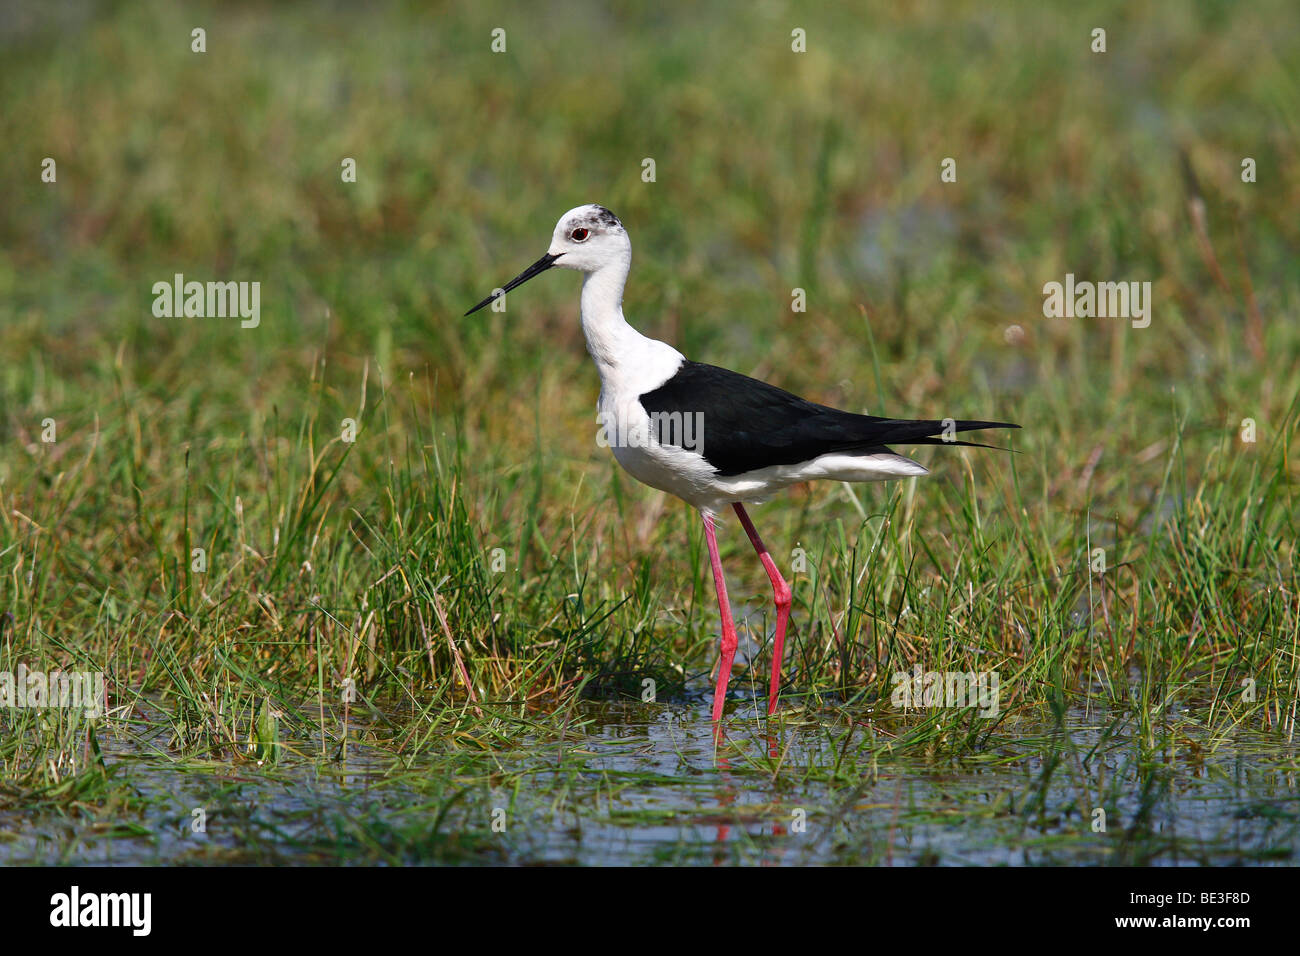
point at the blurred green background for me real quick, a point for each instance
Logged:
(774, 170)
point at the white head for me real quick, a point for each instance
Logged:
(587, 238)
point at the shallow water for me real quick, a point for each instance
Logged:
(670, 800)
(632, 783)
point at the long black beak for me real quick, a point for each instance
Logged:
(538, 267)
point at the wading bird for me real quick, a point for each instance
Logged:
(710, 436)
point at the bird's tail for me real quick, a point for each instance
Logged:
(934, 431)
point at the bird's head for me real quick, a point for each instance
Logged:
(587, 238)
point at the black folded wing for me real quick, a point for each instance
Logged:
(746, 424)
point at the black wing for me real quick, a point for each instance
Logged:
(747, 424)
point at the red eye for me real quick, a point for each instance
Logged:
(578, 235)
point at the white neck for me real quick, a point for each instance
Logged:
(609, 337)
(626, 359)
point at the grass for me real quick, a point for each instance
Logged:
(472, 570)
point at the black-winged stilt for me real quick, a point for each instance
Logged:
(710, 436)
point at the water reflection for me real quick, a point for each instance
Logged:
(632, 783)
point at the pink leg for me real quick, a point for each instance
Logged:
(728, 653)
(781, 591)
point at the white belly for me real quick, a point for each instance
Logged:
(627, 430)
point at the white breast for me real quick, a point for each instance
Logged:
(626, 427)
